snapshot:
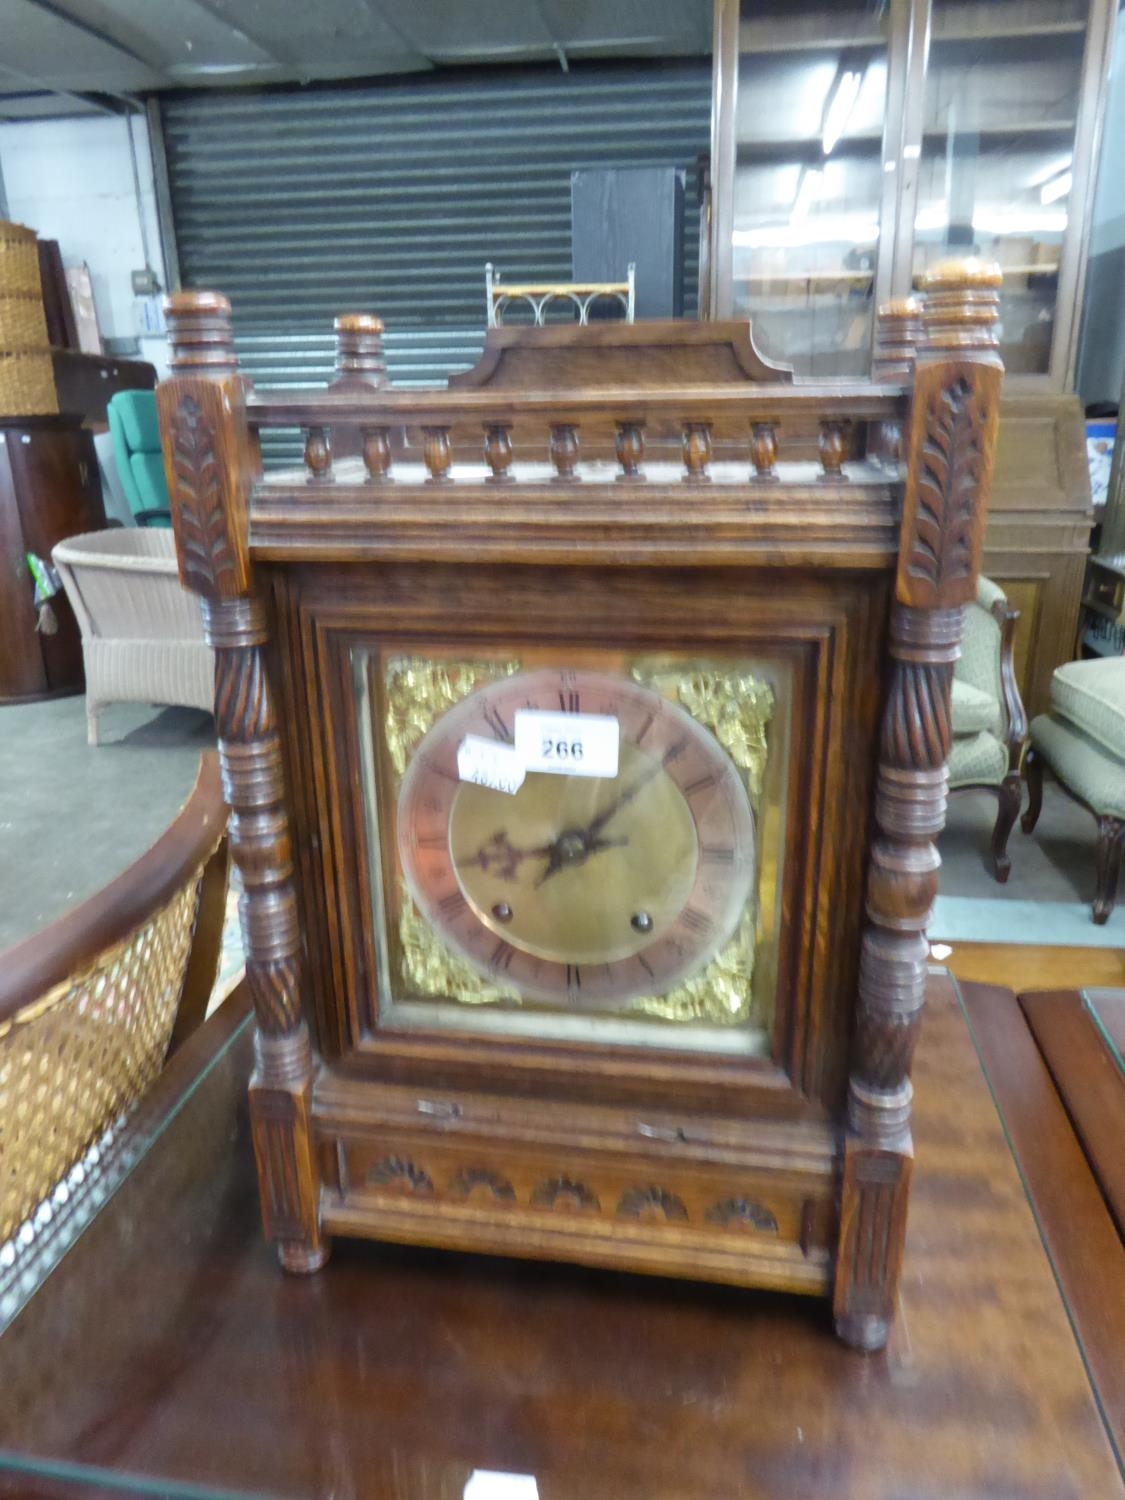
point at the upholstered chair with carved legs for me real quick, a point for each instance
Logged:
(989, 723)
(1082, 740)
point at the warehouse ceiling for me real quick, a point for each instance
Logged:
(88, 56)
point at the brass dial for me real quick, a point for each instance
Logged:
(580, 889)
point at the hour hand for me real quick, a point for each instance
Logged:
(574, 849)
(499, 856)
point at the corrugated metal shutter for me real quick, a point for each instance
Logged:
(390, 197)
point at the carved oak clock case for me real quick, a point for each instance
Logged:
(585, 762)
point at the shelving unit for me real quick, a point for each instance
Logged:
(972, 129)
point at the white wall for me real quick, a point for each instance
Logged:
(71, 180)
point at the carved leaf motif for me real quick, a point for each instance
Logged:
(652, 1203)
(397, 1175)
(471, 1179)
(562, 1192)
(941, 548)
(208, 560)
(742, 1213)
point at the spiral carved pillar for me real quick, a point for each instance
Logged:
(210, 469)
(949, 450)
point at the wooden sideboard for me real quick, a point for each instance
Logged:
(49, 490)
(1038, 536)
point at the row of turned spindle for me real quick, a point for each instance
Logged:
(437, 452)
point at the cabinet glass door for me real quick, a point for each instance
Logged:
(812, 85)
(1003, 88)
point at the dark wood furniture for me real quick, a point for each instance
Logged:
(1054, 1061)
(787, 1169)
(49, 490)
(86, 383)
(92, 1005)
(1038, 536)
(164, 1353)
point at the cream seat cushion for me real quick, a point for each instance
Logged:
(977, 760)
(1091, 694)
(1081, 763)
(973, 709)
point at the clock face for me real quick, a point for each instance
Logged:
(579, 889)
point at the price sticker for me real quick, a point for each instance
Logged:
(567, 744)
(483, 761)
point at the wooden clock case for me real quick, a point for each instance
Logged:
(852, 564)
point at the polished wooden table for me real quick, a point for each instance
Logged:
(167, 1353)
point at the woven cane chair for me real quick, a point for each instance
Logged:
(92, 1005)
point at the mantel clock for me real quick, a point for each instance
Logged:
(584, 726)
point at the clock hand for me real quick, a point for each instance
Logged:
(500, 852)
(593, 828)
(575, 846)
(567, 850)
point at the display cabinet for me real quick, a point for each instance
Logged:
(853, 146)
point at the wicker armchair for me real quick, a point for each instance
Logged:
(989, 722)
(92, 1005)
(142, 632)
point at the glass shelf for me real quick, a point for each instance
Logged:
(808, 181)
(1003, 87)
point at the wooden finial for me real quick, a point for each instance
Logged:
(962, 304)
(200, 334)
(898, 332)
(359, 350)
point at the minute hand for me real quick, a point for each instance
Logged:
(594, 828)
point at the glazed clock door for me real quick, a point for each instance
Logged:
(579, 851)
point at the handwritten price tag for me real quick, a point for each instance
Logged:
(567, 744)
(483, 761)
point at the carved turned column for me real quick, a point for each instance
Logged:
(949, 451)
(359, 350)
(210, 468)
(898, 332)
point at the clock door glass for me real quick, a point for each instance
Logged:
(579, 897)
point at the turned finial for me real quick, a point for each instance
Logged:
(898, 332)
(200, 334)
(359, 349)
(962, 304)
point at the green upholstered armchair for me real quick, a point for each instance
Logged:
(135, 430)
(1082, 740)
(989, 723)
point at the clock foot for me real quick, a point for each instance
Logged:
(866, 1332)
(302, 1260)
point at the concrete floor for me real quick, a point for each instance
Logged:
(71, 816)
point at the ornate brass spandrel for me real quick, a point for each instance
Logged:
(419, 689)
(737, 707)
(734, 704)
(721, 995)
(433, 971)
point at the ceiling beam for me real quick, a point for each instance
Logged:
(376, 9)
(216, 14)
(96, 33)
(40, 86)
(560, 51)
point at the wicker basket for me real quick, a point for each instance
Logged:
(27, 384)
(23, 322)
(19, 260)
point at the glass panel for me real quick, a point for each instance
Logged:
(1002, 96)
(632, 903)
(812, 84)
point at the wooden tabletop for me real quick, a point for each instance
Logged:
(168, 1347)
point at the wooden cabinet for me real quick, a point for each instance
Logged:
(49, 490)
(853, 146)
